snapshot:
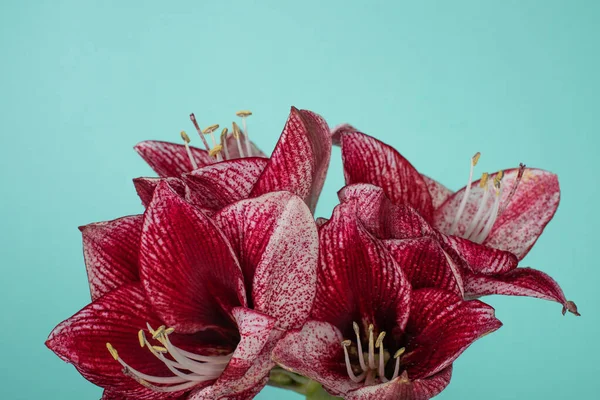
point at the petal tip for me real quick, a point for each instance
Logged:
(571, 307)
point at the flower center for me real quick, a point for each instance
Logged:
(220, 151)
(188, 368)
(488, 211)
(370, 365)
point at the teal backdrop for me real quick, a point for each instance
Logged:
(82, 82)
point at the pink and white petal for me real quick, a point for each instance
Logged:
(300, 159)
(115, 318)
(425, 264)
(402, 388)
(171, 159)
(187, 267)
(275, 239)
(519, 282)
(251, 361)
(111, 250)
(358, 280)
(145, 187)
(218, 185)
(441, 326)
(439, 193)
(381, 217)
(368, 160)
(233, 149)
(316, 352)
(523, 219)
(479, 258)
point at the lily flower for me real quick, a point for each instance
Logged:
(371, 336)
(189, 307)
(235, 169)
(505, 212)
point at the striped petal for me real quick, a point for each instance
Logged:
(145, 187)
(171, 159)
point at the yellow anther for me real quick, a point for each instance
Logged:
(142, 338)
(399, 352)
(346, 343)
(243, 113)
(158, 332)
(112, 351)
(499, 176)
(168, 331)
(484, 180)
(356, 328)
(371, 328)
(379, 340)
(475, 158)
(215, 150)
(224, 132)
(185, 137)
(236, 130)
(210, 129)
(144, 383)
(160, 349)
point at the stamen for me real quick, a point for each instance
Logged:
(158, 332)
(379, 344)
(236, 136)
(463, 203)
(353, 377)
(244, 114)
(210, 131)
(513, 189)
(397, 357)
(113, 352)
(224, 142)
(142, 338)
(371, 348)
(493, 215)
(193, 118)
(361, 357)
(216, 152)
(186, 142)
(483, 183)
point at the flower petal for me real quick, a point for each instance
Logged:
(145, 187)
(171, 159)
(300, 159)
(479, 258)
(425, 264)
(276, 241)
(115, 318)
(338, 131)
(442, 326)
(358, 280)
(381, 217)
(402, 388)
(316, 352)
(368, 160)
(187, 267)
(519, 282)
(233, 149)
(520, 224)
(110, 250)
(439, 193)
(251, 362)
(218, 185)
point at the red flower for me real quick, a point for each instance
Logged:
(480, 226)
(372, 336)
(298, 165)
(207, 298)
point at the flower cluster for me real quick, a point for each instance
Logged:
(227, 283)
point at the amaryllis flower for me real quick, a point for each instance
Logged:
(371, 335)
(482, 223)
(187, 306)
(235, 169)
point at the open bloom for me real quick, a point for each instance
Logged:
(371, 336)
(482, 224)
(235, 169)
(187, 306)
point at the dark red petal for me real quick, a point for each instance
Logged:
(251, 361)
(108, 395)
(276, 241)
(316, 352)
(300, 159)
(519, 282)
(358, 280)
(110, 250)
(521, 223)
(218, 185)
(171, 159)
(439, 193)
(425, 264)
(403, 388)
(441, 327)
(479, 258)
(187, 267)
(115, 318)
(381, 217)
(145, 187)
(233, 151)
(367, 160)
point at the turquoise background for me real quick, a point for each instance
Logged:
(82, 82)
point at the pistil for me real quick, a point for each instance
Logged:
(195, 122)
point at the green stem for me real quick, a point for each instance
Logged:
(284, 379)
